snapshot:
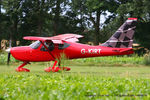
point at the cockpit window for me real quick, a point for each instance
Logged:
(35, 44)
(63, 46)
(50, 46)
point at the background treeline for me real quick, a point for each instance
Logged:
(20, 18)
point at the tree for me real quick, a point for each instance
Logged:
(91, 11)
(141, 10)
(26, 19)
(13, 11)
(0, 22)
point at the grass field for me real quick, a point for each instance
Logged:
(108, 78)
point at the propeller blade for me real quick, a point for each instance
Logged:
(8, 59)
(8, 50)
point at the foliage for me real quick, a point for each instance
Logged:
(90, 12)
(147, 58)
(143, 34)
(45, 18)
(63, 60)
(112, 60)
(3, 58)
(52, 17)
(141, 10)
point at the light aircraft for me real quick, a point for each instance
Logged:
(51, 48)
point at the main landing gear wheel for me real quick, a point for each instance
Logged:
(20, 69)
(56, 69)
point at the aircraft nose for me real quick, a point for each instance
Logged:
(8, 50)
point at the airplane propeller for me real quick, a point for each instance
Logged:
(8, 51)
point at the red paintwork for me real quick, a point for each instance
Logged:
(20, 69)
(132, 18)
(56, 39)
(75, 50)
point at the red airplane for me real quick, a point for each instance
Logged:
(51, 48)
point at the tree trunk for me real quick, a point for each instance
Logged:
(97, 27)
(40, 15)
(15, 32)
(121, 20)
(57, 17)
(96, 23)
(40, 27)
(0, 6)
(0, 44)
(0, 24)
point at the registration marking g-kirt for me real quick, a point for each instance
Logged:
(90, 51)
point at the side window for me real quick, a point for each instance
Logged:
(50, 46)
(43, 48)
(63, 46)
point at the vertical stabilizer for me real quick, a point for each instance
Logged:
(123, 37)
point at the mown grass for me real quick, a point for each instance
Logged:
(81, 83)
(90, 78)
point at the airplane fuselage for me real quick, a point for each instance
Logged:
(73, 51)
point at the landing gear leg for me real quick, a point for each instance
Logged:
(56, 69)
(63, 68)
(20, 69)
(53, 69)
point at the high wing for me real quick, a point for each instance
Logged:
(56, 39)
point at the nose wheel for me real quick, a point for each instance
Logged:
(56, 69)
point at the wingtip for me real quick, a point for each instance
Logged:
(26, 37)
(132, 18)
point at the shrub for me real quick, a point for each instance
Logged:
(147, 58)
(2, 58)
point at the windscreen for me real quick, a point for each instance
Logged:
(35, 44)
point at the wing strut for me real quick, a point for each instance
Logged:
(48, 50)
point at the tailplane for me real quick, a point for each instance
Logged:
(123, 37)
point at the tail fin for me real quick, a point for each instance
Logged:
(123, 37)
